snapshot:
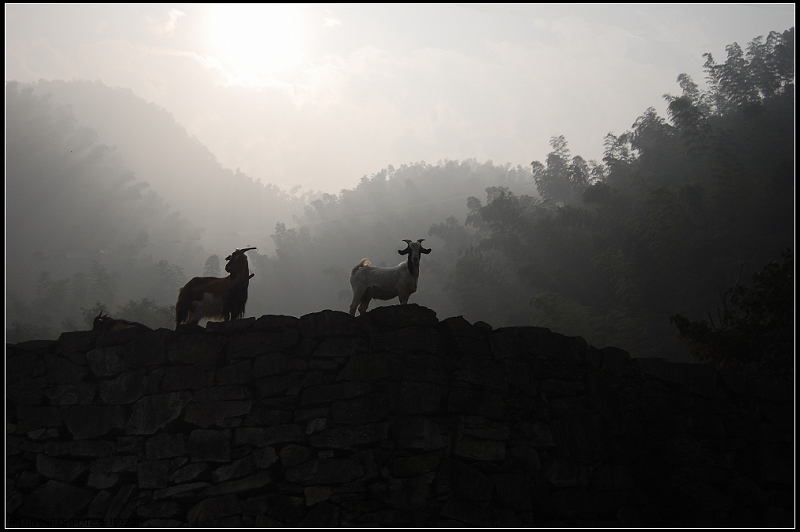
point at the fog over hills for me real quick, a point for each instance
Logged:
(227, 205)
(137, 154)
(684, 229)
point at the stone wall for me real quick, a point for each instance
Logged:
(390, 419)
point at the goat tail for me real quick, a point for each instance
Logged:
(364, 262)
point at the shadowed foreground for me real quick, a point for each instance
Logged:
(390, 419)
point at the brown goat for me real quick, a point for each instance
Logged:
(216, 297)
(107, 323)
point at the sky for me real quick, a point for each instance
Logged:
(313, 97)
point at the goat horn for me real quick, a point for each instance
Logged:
(407, 241)
(421, 240)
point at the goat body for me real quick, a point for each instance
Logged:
(216, 297)
(372, 282)
(107, 323)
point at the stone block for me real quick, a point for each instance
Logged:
(58, 469)
(413, 466)
(149, 348)
(180, 490)
(579, 437)
(334, 348)
(115, 464)
(370, 367)
(465, 482)
(466, 512)
(265, 457)
(230, 327)
(237, 469)
(212, 413)
(479, 403)
(251, 483)
(277, 386)
(158, 510)
(165, 446)
(27, 365)
(108, 361)
(153, 474)
(186, 378)
(125, 389)
(327, 323)
(62, 371)
(80, 448)
(408, 340)
(458, 326)
(292, 455)
(474, 371)
(118, 337)
(202, 350)
(484, 428)
(578, 501)
(325, 471)
(484, 450)
(154, 412)
(349, 437)
(361, 410)
(188, 473)
(513, 490)
(411, 398)
(236, 373)
(409, 494)
(27, 391)
(265, 436)
(316, 494)
(523, 458)
(213, 508)
(276, 364)
(328, 393)
(56, 500)
(279, 322)
(72, 394)
(210, 445)
(563, 472)
(421, 433)
(89, 421)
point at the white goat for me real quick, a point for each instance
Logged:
(372, 282)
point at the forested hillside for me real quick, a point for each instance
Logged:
(80, 227)
(230, 207)
(680, 209)
(685, 206)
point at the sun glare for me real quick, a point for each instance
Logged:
(256, 42)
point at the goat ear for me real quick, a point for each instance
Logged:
(423, 250)
(403, 251)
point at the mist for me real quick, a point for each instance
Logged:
(114, 203)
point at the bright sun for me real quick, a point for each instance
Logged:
(254, 42)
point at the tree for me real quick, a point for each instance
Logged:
(754, 325)
(212, 267)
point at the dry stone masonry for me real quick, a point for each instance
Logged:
(391, 419)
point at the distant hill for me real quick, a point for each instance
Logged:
(231, 208)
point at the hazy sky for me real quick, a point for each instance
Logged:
(320, 95)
